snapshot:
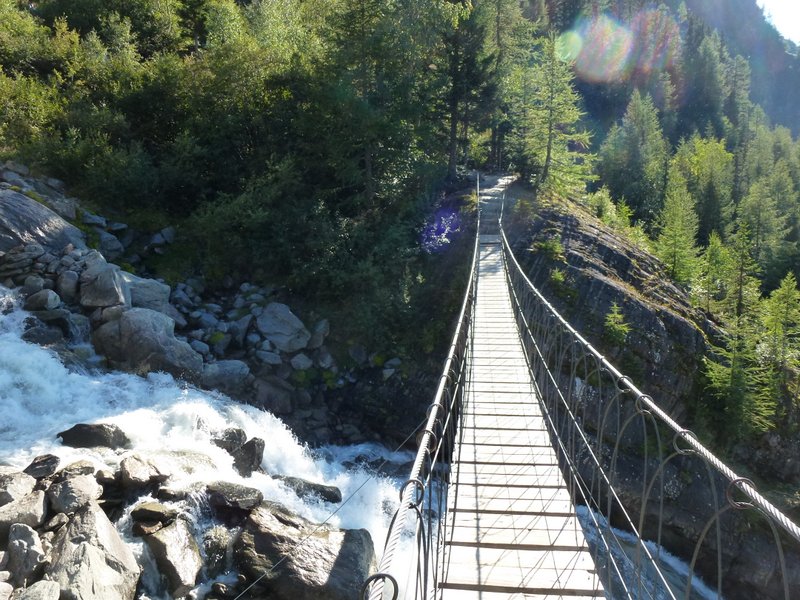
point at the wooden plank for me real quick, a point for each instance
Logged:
(453, 593)
(490, 452)
(560, 570)
(474, 500)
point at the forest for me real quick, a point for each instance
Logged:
(308, 142)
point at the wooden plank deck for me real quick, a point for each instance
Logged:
(512, 530)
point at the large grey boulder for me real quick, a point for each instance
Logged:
(223, 495)
(318, 562)
(25, 221)
(304, 488)
(42, 466)
(109, 244)
(281, 327)
(26, 556)
(225, 375)
(41, 590)
(147, 293)
(177, 556)
(14, 485)
(69, 495)
(90, 561)
(29, 510)
(137, 472)
(67, 286)
(248, 457)
(43, 300)
(143, 340)
(102, 284)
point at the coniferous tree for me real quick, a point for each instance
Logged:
(549, 148)
(709, 284)
(633, 159)
(759, 209)
(781, 344)
(468, 69)
(707, 86)
(708, 169)
(676, 245)
(735, 376)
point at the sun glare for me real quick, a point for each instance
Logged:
(785, 16)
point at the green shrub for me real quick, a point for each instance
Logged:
(551, 248)
(615, 329)
(560, 285)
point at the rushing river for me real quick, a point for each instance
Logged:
(173, 423)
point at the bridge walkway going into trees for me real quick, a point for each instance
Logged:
(513, 529)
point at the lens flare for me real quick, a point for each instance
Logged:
(657, 41)
(607, 50)
(569, 45)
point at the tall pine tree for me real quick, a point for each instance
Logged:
(676, 245)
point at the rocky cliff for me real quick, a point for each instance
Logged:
(585, 268)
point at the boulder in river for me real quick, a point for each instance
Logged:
(69, 495)
(90, 561)
(177, 556)
(223, 494)
(247, 458)
(42, 466)
(318, 561)
(304, 489)
(143, 340)
(93, 435)
(43, 300)
(26, 556)
(14, 484)
(41, 590)
(29, 510)
(230, 439)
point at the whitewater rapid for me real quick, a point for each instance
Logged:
(173, 423)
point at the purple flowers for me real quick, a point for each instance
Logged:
(439, 231)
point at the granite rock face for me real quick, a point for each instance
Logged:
(23, 220)
(90, 560)
(668, 338)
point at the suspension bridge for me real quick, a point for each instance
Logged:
(543, 472)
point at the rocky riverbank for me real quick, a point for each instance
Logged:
(66, 525)
(243, 341)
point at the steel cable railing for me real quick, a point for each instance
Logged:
(423, 497)
(635, 468)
